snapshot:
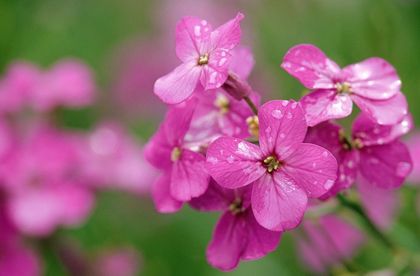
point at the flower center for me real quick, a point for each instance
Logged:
(254, 126)
(236, 206)
(222, 103)
(272, 163)
(176, 154)
(347, 144)
(204, 59)
(343, 88)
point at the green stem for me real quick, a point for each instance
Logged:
(251, 105)
(373, 229)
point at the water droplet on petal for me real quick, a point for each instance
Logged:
(284, 103)
(221, 152)
(314, 165)
(213, 77)
(197, 30)
(325, 154)
(294, 105)
(380, 141)
(328, 184)
(223, 54)
(350, 164)
(270, 139)
(230, 159)
(268, 129)
(204, 22)
(315, 182)
(282, 135)
(277, 114)
(212, 160)
(289, 115)
(342, 177)
(222, 61)
(403, 169)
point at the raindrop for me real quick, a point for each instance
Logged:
(289, 115)
(277, 114)
(268, 129)
(294, 105)
(403, 168)
(282, 135)
(284, 103)
(325, 154)
(328, 184)
(230, 159)
(212, 160)
(314, 165)
(197, 30)
(222, 61)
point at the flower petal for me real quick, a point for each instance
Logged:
(192, 34)
(215, 73)
(373, 78)
(277, 202)
(179, 84)
(381, 205)
(260, 241)
(322, 105)
(372, 134)
(161, 196)
(228, 240)
(413, 144)
(243, 61)
(216, 198)
(383, 112)
(234, 163)
(311, 67)
(313, 168)
(189, 176)
(228, 35)
(387, 166)
(158, 150)
(282, 127)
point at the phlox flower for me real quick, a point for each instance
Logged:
(39, 178)
(205, 56)
(185, 175)
(374, 158)
(327, 241)
(284, 171)
(237, 235)
(372, 84)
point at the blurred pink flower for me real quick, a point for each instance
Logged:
(372, 84)
(119, 261)
(413, 143)
(284, 171)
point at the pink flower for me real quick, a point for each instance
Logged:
(113, 159)
(413, 144)
(374, 152)
(372, 84)
(205, 56)
(39, 178)
(185, 175)
(284, 171)
(327, 241)
(68, 83)
(237, 234)
(120, 261)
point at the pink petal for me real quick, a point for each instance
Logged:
(311, 257)
(260, 241)
(234, 163)
(189, 176)
(311, 67)
(282, 127)
(158, 150)
(216, 198)
(326, 135)
(322, 105)
(381, 205)
(373, 78)
(18, 260)
(372, 134)
(413, 144)
(178, 120)
(387, 166)
(383, 112)
(161, 196)
(228, 35)
(277, 202)
(215, 73)
(192, 34)
(313, 168)
(228, 240)
(243, 61)
(178, 85)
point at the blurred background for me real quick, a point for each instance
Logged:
(130, 43)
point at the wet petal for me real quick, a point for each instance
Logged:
(381, 205)
(322, 105)
(326, 135)
(161, 195)
(282, 127)
(311, 167)
(158, 150)
(243, 61)
(192, 34)
(189, 176)
(260, 241)
(228, 240)
(372, 134)
(234, 163)
(373, 78)
(216, 72)
(216, 198)
(228, 35)
(179, 84)
(384, 112)
(311, 67)
(387, 166)
(277, 202)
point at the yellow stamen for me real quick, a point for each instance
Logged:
(222, 103)
(176, 154)
(254, 126)
(204, 59)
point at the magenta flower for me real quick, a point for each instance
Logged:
(185, 175)
(205, 56)
(375, 152)
(284, 171)
(327, 241)
(372, 84)
(237, 235)
(413, 144)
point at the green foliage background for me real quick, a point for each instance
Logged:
(43, 31)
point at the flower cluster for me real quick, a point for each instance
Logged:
(49, 175)
(219, 152)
